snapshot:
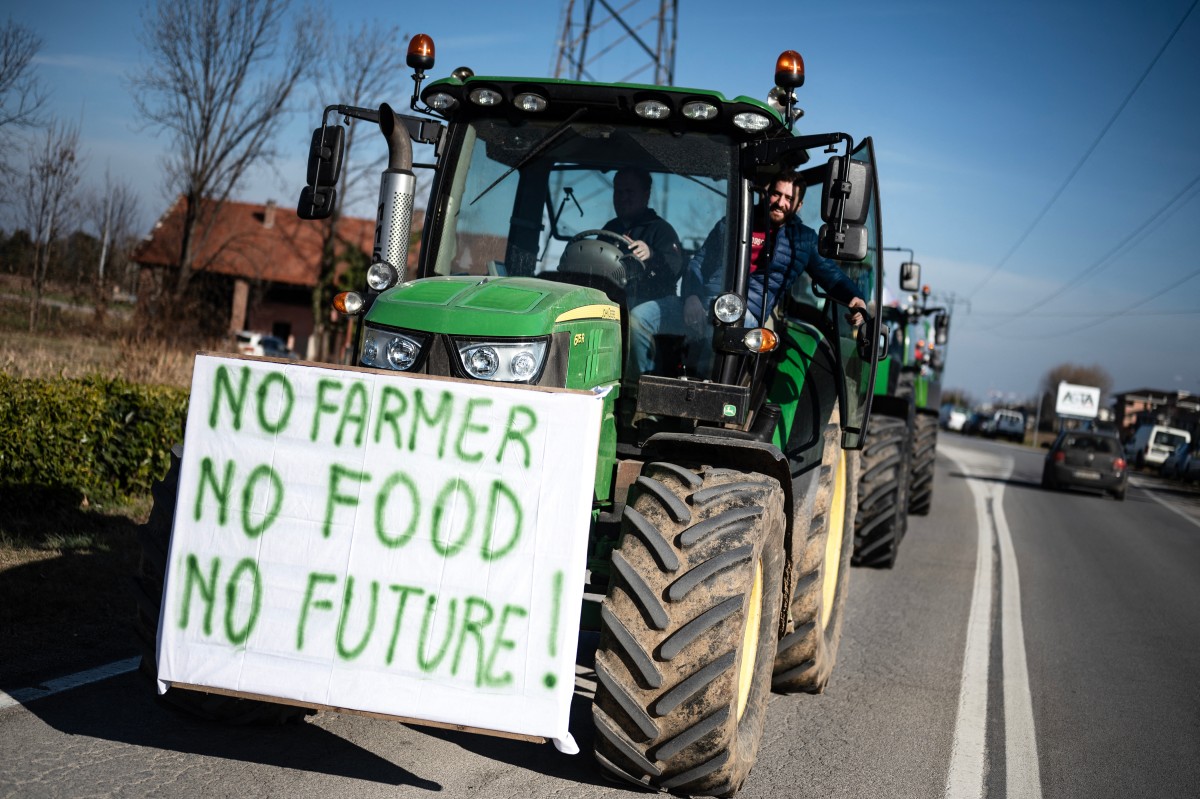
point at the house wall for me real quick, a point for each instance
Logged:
(285, 311)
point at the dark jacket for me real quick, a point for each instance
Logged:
(666, 256)
(795, 251)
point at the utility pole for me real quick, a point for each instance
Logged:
(638, 37)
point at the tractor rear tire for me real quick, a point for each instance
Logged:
(882, 516)
(808, 650)
(155, 538)
(688, 629)
(920, 493)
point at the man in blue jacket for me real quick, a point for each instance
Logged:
(781, 249)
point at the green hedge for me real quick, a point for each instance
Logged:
(104, 437)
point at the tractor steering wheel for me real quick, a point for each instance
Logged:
(627, 256)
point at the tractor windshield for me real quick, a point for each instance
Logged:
(519, 192)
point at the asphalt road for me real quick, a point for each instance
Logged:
(1027, 643)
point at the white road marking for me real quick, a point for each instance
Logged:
(1022, 775)
(968, 756)
(968, 759)
(1146, 490)
(26, 695)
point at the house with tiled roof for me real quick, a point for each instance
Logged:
(264, 259)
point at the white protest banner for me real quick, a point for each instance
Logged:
(381, 542)
(1082, 401)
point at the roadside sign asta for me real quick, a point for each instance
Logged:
(1079, 401)
(393, 544)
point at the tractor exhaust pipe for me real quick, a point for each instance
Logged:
(393, 221)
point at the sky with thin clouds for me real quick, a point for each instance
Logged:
(1039, 158)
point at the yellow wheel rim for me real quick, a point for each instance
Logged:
(833, 541)
(750, 641)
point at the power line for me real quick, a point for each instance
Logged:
(1128, 308)
(1154, 221)
(1098, 314)
(1041, 214)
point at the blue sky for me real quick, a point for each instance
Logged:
(981, 113)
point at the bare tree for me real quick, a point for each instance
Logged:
(112, 216)
(22, 96)
(361, 69)
(55, 164)
(219, 78)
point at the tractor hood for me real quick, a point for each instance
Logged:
(494, 306)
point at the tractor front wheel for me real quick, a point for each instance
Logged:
(882, 516)
(920, 495)
(808, 651)
(688, 629)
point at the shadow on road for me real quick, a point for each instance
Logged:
(125, 710)
(65, 604)
(1015, 482)
(545, 759)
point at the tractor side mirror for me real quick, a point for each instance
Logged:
(316, 203)
(845, 201)
(325, 155)
(864, 343)
(910, 276)
(848, 245)
(852, 189)
(941, 329)
(324, 169)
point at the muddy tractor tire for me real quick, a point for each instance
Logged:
(155, 538)
(882, 516)
(920, 494)
(808, 650)
(688, 629)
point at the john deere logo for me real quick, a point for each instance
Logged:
(730, 410)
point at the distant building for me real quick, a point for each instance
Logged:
(1149, 406)
(263, 260)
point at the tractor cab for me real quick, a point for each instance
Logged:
(533, 270)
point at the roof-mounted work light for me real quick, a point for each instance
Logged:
(420, 58)
(789, 75)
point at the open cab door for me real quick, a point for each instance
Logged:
(863, 345)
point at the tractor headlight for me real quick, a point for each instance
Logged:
(751, 122)
(381, 275)
(652, 109)
(390, 349)
(729, 308)
(699, 110)
(504, 361)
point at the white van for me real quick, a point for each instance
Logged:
(1152, 443)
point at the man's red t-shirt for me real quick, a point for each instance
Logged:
(757, 256)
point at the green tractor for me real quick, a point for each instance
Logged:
(898, 461)
(726, 479)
